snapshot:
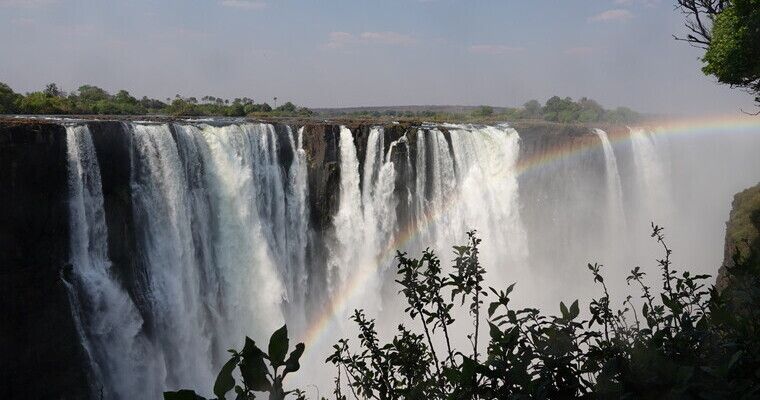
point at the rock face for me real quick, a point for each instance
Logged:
(42, 357)
(742, 231)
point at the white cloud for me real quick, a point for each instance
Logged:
(494, 49)
(612, 15)
(244, 4)
(342, 39)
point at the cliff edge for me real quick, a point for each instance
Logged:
(742, 232)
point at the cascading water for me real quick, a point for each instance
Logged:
(365, 215)
(224, 234)
(653, 187)
(172, 289)
(477, 189)
(345, 255)
(616, 215)
(221, 233)
(107, 319)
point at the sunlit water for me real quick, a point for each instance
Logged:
(223, 233)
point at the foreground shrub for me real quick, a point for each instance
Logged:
(685, 340)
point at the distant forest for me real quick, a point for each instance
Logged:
(92, 100)
(556, 109)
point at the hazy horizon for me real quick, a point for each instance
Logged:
(361, 54)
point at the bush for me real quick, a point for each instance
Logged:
(8, 100)
(256, 376)
(41, 103)
(686, 342)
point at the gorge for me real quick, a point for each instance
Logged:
(136, 252)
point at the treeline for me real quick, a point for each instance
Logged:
(89, 99)
(584, 110)
(556, 109)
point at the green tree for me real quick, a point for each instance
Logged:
(557, 109)
(287, 108)
(124, 97)
(180, 107)
(236, 110)
(734, 52)
(483, 111)
(43, 103)
(729, 31)
(590, 110)
(8, 99)
(532, 109)
(91, 94)
(52, 90)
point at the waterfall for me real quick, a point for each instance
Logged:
(106, 317)
(615, 214)
(246, 199)
(172, 290)
(378, 203)
(225, 246)
(298, 223)
(477, 189)
(222, 231)
(365, 215)
(652, 184)
(349, 215)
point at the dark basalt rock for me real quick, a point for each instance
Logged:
(41, 353)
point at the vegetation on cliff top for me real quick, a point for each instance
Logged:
(742, 232)
(743, 228)
(89, 99)
(556, 109)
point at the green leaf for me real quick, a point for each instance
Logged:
(253, 369)
(182, 395)
(452, 375)
(564, 310)
(468, 368)
(292, 364)
(574, 310)
(278, 346)
(224, 381)
(494, 332)
(510, 288)
(492, 308)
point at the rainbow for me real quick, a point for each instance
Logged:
(352, 288)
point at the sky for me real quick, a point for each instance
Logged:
(341, 53)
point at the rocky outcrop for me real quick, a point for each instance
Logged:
(41, 353)
(742, 232)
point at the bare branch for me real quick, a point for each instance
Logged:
(700, 15)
